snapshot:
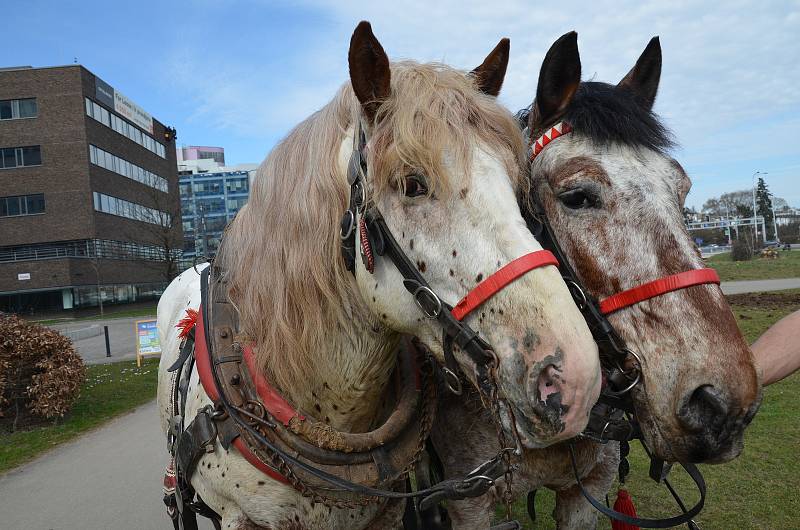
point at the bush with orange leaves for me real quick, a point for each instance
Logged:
(40, 372)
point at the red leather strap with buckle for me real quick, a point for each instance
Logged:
(497, 281)
(657, 288)
(279, 408)
(203, 360)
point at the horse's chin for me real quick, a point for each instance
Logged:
(530, 433)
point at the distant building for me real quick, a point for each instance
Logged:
(208, 202)
(198, 152)
(89, 202)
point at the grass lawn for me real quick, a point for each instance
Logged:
(786, 266)
(758, 490)
(110, 390)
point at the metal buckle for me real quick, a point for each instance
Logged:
(578, 295)
(452, 381)
(431, 313)
(350, 218)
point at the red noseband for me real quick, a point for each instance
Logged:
(497, 281)
(657, 288)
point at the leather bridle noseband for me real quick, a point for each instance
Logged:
(613, 417)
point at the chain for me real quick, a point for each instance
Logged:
(494, 406)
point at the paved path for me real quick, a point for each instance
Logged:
(121, 338)
(108, 479)
(757, 286)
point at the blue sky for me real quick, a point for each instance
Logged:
(241, 74)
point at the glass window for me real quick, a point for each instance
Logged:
(5, 109)
(12, 204)
(31, 156)
(35, 203)
(27, 108)
(105, 119)
(8, 157)
(89, 107)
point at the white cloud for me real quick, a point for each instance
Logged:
(726, 67)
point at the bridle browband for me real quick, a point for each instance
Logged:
(613, 417)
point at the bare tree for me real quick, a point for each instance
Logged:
(161, 228)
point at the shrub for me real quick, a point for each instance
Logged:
(40, 371)
(741, 250)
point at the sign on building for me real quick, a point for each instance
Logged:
(122, 105)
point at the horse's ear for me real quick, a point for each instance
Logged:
(369, 69)
(643, 78)
(559, 78)
(490, 74)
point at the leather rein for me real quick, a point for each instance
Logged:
(614, 416)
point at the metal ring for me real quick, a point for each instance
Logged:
(469, 480)
(637, 368)
(603, 432)
(629, 387)
(438, 307)
(583, 301)
(452, 381)
(351, 218)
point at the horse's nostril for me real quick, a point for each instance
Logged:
(704, 408)
(548, 382)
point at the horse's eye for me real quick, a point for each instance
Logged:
(578, 199)
(415, 186)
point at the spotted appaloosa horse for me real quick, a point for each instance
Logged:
(444, 168)
(614, 198)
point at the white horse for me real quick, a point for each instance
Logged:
(614, 198)
(444, 169)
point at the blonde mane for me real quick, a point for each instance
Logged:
(282, 251)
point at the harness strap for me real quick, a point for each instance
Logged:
(669, 522)
(658, 287)
(500, 279)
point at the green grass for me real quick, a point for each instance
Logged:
(786, 266)
(758, 490)
(110, 390)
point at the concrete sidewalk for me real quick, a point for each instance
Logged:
(121, 338)
(110, 478)
(757, 286)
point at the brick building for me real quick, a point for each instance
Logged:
(89, 201)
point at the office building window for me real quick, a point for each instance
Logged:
(207, 187)
(122, 208)
(14, 109)
(112, 121)
(122, 167)
(22, 205)
(236, 185)
(20, 156)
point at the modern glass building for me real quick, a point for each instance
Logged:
(208, 202)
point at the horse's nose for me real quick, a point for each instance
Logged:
(704, 408)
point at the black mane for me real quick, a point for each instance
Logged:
(608, 114)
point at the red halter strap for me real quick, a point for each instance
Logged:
(657, 288)
(497, 281)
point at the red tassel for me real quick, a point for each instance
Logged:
(187, 323)
(624, 504)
